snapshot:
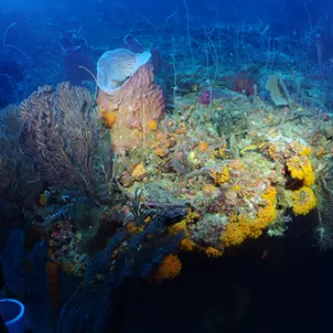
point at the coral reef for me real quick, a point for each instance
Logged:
(226, 189)
(190, 186)
(230, 146)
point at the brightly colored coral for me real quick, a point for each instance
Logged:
(241, 227)
(300, 168)
(235, 232)
(220, 176)
(304, 200)
(168, 269)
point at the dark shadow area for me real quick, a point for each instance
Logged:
(268, 286)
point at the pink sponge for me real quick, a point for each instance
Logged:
(129, 94)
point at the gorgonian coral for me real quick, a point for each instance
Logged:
(18, 181)
(62, 134)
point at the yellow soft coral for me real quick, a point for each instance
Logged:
(304, 200)
(240, 227)
(235, 232)
(301, 168)
(178, 227)
(221, 176)
(191, 217)
(266, 216)
(267, 213)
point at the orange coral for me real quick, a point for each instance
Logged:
(109, 117)
(187, 245)
(168, 269)
(219, 153)
(152, 125)
(203, 146)
(266, 213)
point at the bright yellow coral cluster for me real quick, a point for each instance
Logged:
(304, 200)
(267, 213)
(300, 168)
(221, 176)
(235, 232)
(241, 227)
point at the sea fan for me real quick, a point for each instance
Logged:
(62, 134)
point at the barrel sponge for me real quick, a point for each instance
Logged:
(128, 89)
